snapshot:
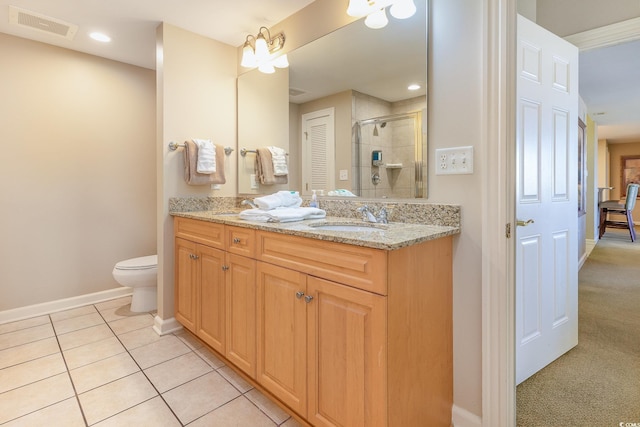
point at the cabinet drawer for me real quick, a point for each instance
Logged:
(241, 241)
(207, 233)
(360, 267)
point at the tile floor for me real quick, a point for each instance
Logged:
(101, 365)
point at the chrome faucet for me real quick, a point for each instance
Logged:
(250, 203)
(368, 216)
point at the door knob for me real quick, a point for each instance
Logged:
(299, 294)
(521, 223)
(308, 299)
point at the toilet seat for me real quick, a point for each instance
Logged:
(141, 263)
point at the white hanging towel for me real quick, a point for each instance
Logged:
(206, 156)
(279, 158)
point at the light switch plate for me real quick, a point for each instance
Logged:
(253, 182)
(454, 161)
(344, 175)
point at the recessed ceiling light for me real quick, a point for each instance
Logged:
(413, 86)
(100, 37)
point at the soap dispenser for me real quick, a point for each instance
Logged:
(314, 200)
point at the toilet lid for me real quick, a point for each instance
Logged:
(141, 263)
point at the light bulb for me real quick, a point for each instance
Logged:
(248, 56)
(266, 68)
(358, 8)
(376, 20)
(262, 51)
(403, 9)
(281, 61)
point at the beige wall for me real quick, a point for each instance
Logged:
(77, 171)
(196, 86)
(616, 151)
(593, 174)
(455, 68)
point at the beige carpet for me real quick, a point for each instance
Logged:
(596, 383)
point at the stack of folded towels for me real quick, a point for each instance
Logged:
(283, 206)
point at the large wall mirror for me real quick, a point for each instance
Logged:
(350, 119)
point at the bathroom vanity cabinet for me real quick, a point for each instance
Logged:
(344, 335)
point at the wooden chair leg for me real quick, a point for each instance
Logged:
(603, 222)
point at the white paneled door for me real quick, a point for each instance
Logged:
(546, 205)
(318, 148)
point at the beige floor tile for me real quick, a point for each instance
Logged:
(190, 340)
(214, 361)
(178, 371)
(30, 351)
(102, 372)
(200, 396)
(153, 412)
(115, 313)
(74, 312)
(24, 400)
(24, 324)
(90, 353)
(63, 414)
(117, 396)
(291, 422)
(239, 412)
(267, 406)
(235, 379)
(166, 348)
(128, 324)
(75, 323)
(139, 338)
(23, 336)
(30, 372)
(114, 303)
(85, 336)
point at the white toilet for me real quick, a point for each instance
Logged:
(141, 275)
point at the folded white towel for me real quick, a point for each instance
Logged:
(282, 214)
(206, 156)
(282, 198)
(279, 159)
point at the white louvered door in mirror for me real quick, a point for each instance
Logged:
(318, 158)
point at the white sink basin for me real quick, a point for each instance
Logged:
(346, 227)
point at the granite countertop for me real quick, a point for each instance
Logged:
(390, 236)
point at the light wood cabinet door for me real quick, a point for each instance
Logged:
(241, 313)
(211, 297)
(346, 355)
(282, 334)
(185, 283)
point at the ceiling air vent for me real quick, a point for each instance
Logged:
(47, 24)
(296, 92)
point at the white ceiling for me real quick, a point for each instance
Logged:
(608, 76)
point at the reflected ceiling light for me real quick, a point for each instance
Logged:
(375, 13)
(100, 37)
(413, 86)
(260, 51)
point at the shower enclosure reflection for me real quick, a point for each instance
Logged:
(389, 153)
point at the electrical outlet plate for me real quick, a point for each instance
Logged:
(344, 174)
(454, 161)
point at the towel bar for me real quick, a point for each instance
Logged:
(173, 146)
(244, 151)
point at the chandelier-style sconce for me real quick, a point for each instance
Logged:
(262, 52)
(374, 10)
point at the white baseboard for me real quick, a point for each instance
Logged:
(590, 244)
(62, 304)
(463, 418)
(166, 326)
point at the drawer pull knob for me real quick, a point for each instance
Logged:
(236, 240)
(193, 256)
(308, 298)
(299, 294)
(225, 267)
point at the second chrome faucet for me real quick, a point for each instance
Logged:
(368, 216)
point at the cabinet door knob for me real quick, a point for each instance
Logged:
(225, 267)
(299, 294)
(236, 240)
(308, 298)
(193, 256)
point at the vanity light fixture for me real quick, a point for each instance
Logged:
(261, 51)
(374, 10)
